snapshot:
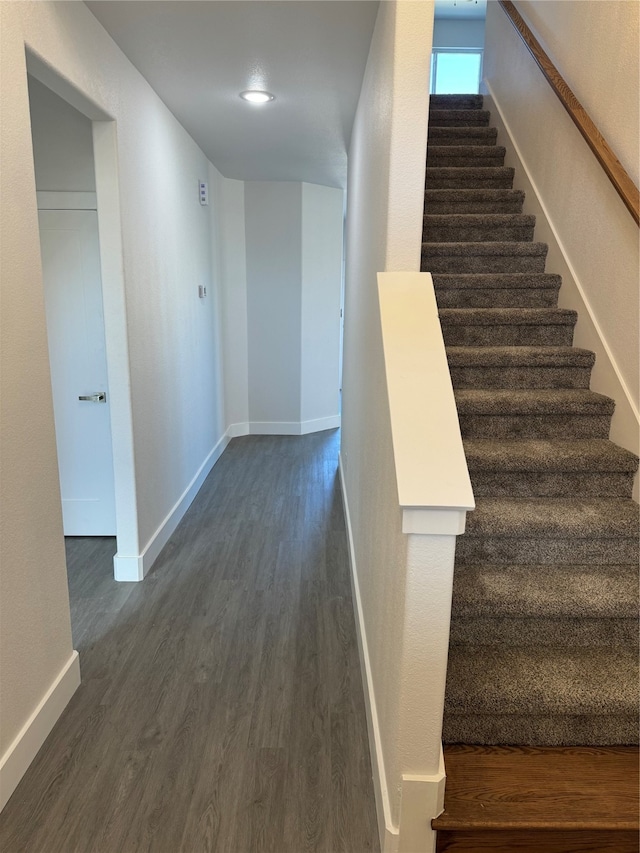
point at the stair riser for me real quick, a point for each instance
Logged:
(541, 551)
(489, 336)
(531, 841)
(497, 631)
(535, 426)
(540, 730)
(484, 156)
(503, 298)
(476, 234)
(459, 118)
(521, 484)
(455, 102)
(462, 136)
(453, 180)
(520, 377)
(482, 264)
(447, 208)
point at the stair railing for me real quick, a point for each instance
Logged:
(615, 171)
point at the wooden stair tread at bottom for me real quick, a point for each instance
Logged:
(525, 789)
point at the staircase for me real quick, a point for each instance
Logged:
(543, 648)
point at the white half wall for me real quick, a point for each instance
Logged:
(384, 231)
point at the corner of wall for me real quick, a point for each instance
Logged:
(19, 755)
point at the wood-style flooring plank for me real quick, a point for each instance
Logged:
(521, 788)
(221, 706)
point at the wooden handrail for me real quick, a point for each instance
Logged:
(616, 172)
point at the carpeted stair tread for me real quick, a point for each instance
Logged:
(499, 247)
(546, 591)
(579, 455)
(458, 117)
(519, 356)
(472, 177)
(544, 629)
(450, 156)
(473, 201)
(458, 102)
(507, 317)
(496, 290)
(484, 257)
(477, 227)
(500, 401)
(462, 136)
(495, 281)
(562, 518)
(508, 680)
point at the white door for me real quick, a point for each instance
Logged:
(75, 327)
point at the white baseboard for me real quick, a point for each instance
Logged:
(422, 800)
(16, 760)
(606, 377)
(422, 797)
(387, 831)
(293, 427)
(320, 424)
(236, 430)
(135, 568)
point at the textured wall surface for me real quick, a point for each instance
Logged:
(274, 233)
(62, 143)
(458, 33)
(172, 334)
(595, 46)
(322, 225)
(384, 219)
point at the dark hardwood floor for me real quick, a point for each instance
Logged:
(221, 705)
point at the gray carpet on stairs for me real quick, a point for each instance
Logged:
(544, 630)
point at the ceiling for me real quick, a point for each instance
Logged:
(200, 55)
(469, 10)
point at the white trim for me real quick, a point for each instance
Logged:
(48, 200)
(606, 377)
(387, 831)
(431, 467)
(135, 568)
(319, 424)
(422, 801)
(19, 755)
(293, 427)
(436, 521)
(236, 430)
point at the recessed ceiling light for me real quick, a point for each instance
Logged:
(256, 97)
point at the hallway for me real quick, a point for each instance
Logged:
(221, 705)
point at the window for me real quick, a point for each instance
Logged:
(455, 71)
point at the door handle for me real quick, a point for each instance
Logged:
(100, 397)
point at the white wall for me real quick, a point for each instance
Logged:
(233, 263)
(458, 33)
(273, 235)
(384, 232)
(62, 143)
(172, 336)
(593, 239)
(322, 225)
(293, 239)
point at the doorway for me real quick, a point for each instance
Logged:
(75, 159)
